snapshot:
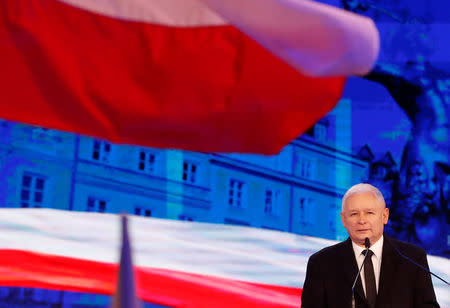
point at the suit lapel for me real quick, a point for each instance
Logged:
(389, 265)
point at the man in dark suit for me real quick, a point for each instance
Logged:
(387, 280)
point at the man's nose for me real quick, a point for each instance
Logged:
(362, 219)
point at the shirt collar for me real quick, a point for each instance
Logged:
(376, 248)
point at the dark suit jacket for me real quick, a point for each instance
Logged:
(331, 271)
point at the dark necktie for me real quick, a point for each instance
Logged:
(369, 277)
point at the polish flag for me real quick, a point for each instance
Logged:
(177, 263)
(205, 75)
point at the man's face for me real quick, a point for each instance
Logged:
(364, 216)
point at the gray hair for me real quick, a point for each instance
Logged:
(363, 188)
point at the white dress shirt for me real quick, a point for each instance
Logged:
(377, 250)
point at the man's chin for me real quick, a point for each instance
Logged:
(360, 239)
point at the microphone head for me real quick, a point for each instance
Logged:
(367, 242)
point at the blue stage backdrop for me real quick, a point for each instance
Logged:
(391, 129)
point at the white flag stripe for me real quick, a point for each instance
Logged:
(177, 13)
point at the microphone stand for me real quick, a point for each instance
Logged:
(420, 266)
(367, 245)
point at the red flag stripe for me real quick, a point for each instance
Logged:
(166, 287)
(70, 69)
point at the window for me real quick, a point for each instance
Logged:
(271, 201)
(14, 293)
(147, 161)
(32, 191)
(43, 134)
(306, 168)
(189, 172)
(303, 211)
(271, 228)
(378, 171)
(28, 293)
(101, 151)
(185, 218)
(320, 132)
(307, 211)
(140, 211)
(235, 222)
(235, 193)
(96, 205)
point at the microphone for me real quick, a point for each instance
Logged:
(367, 245)
(417, 264)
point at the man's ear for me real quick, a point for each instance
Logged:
(342, 218)
(385, 215)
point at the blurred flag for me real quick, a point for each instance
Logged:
(177, 263)
(204, 75)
